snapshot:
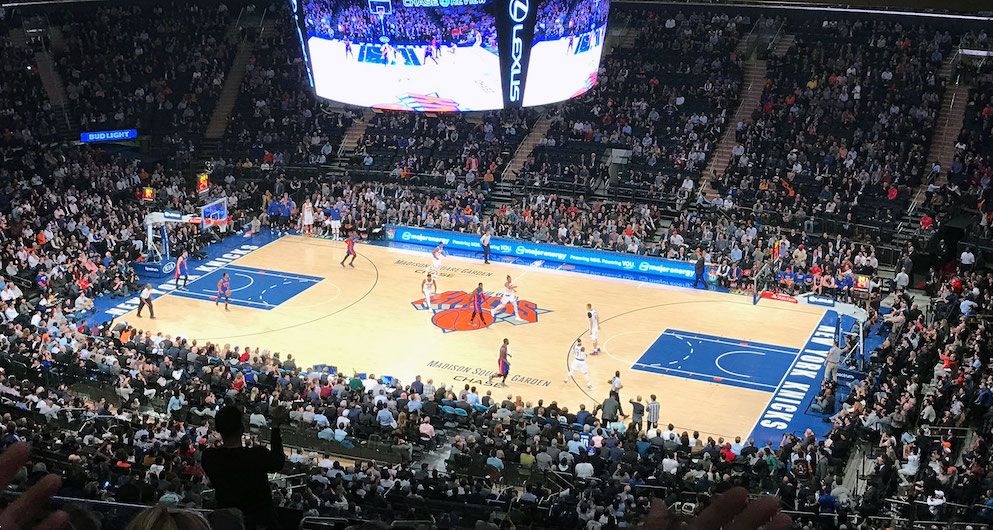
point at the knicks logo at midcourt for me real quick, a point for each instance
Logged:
(453, 311)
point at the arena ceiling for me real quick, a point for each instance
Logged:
(935, 6)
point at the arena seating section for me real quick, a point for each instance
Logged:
(70, 224)
(158, 68)
(276, 120)
(667, 99)
(846, 118)
(449, 148)
(26, 114)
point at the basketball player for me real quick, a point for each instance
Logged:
(509, 298)
(436, 255)
(594, 328)
(334, 219)
(224, 291)
(503, 363)
(384, 54)
(429, 54)
(477, 305)
(436, 46)
(348, 48)
(568, 49)
(578, 363)
(430, 288)
(307, 218)
(350, 250)
(182, 269)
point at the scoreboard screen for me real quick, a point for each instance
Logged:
(451, 55)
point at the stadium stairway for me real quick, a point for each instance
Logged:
(354, 133)
(754, 76)
(784, 44)
(55, 89)
(951, 116)
(229, 92)
(524, 150)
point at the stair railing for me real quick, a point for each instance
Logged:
(775, 39)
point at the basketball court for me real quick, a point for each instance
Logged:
(715, 360)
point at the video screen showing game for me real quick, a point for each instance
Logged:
(566, 50)
(417, 55)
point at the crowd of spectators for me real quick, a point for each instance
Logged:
(156, 68)
(666, 99)
(450, 147)
(26, 115)
(558, 19)
(844, 124)
(277, 119)
(969, 179)
(356, 22)
(929, 382)
(744, 248)
(567, 220)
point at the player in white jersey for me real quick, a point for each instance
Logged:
(430, 288)
(509, 298)
(578, 363)
(436, 255)
(594, 328)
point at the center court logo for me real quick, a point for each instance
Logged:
(454, 311)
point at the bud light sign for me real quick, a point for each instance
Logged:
(108, 136)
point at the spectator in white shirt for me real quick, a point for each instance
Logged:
(902, 279)
(584, 470)
(10, 292)
(967, 260)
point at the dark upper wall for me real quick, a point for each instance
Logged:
(973, 7)
(797, 12)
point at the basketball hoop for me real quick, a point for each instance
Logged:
(220, 223)
(380, 9)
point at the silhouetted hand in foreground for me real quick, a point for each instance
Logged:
(728, 511)
(21, 514)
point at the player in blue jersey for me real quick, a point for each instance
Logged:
(272, 211)
(224, 291)
(350, 250)
(477, 305)
(334, 221)
(429, 54)
(182, 269)
(284, 215)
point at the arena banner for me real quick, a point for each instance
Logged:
(515, 31)
(108, 136)
(601, 259)
(154, 269)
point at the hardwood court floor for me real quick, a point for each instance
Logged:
(365, 320)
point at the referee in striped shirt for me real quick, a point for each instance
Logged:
(653, 409)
